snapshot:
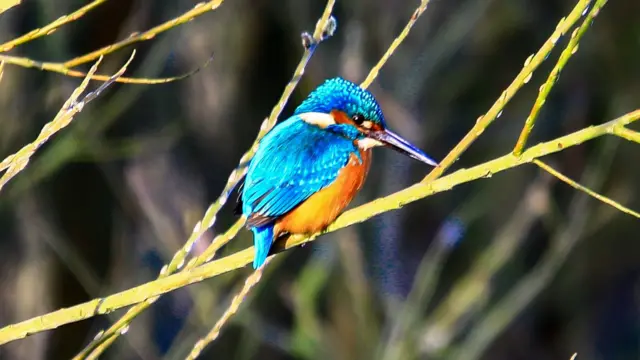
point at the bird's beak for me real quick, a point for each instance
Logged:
(397, 143)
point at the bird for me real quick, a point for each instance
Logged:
(309, 167)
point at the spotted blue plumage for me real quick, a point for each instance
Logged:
(343, 95)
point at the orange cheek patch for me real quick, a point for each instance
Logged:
(341, 118)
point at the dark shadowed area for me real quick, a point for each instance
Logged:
(516, 266)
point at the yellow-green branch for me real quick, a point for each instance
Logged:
(413, 193)
(198, 10)
(584, 189)
(50, 28)
(394, 45)
(545, 89)
(62, 69)
(210, 337)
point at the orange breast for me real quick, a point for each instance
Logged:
(321, 208)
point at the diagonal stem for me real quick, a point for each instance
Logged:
(48, 29)
(198, 10)
(237, 300)
(584, 189)
(545, 89)
(394, 45)
(62, 69)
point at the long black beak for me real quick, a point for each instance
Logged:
(397, 143)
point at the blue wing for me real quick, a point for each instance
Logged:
(293, 161)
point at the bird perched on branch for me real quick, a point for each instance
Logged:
(309, 167)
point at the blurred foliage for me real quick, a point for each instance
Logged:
(521, 266)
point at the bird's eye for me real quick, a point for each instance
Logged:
(358, 119)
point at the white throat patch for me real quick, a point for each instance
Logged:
(368, 143)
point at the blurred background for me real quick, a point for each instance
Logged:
(519, 266)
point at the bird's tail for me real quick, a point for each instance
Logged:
(262, 240)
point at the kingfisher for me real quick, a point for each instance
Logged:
(309, 167)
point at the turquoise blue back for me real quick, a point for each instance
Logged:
(296, 159)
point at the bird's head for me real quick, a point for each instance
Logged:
(343, 107)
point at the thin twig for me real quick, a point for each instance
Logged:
(198, 10)
(545, 89)
(62, 69)
(15, 163)
(585, 189)
(394, 45)
(237, 300)
(151, 290)
(522, 78)
(50, 28)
